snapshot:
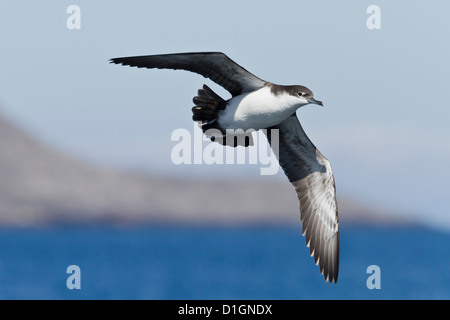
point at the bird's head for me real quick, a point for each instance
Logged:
(305, 95)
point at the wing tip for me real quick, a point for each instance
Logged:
(330, 272)
(330, 277)
(115, 61)
(125, 62)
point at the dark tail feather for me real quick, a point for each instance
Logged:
(207, 105)
(206, 109)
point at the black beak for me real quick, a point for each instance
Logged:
(314, 101)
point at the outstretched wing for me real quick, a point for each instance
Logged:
(213, 65)
(310, 173)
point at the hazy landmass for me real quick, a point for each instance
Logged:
(40, 186)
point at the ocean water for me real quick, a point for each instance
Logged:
(219, 263)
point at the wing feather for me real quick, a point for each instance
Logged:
(213, 65)
(311, 175)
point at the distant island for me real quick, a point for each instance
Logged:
(40, 186)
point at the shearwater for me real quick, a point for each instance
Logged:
(257, 104)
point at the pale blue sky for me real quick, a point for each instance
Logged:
(384, 125)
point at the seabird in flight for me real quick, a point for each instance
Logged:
(258, 104)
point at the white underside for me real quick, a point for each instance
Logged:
(257, 110)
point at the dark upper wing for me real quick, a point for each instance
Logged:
(213, 65)
(310, 173)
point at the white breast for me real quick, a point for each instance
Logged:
(257, 110)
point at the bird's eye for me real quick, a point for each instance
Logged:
(300, 94)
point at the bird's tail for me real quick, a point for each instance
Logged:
(206, 109)
(207, 105)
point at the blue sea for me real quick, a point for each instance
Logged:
(219, 263)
